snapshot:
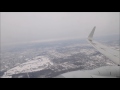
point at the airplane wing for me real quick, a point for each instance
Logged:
(108, 52)
(102, 72)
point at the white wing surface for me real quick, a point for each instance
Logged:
(110, 53)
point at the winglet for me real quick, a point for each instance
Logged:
(112, 54)
(91, 34)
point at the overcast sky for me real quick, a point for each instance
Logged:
(33, 26)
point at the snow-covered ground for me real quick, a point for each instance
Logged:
(36, 64)
(55, 58)
(87, 51)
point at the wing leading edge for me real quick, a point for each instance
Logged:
(108, 52)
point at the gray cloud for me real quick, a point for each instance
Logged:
(32, 26)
